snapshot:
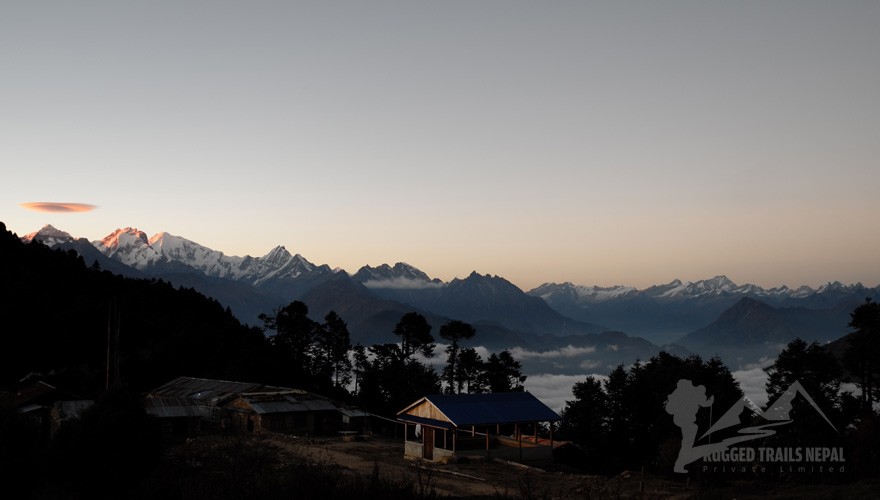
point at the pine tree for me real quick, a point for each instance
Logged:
(454, 331)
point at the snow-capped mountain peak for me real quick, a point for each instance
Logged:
(302, 261)
(122, 238)
(592, 293)
(718, 283)
(174, 245)
(674, 288)
(714, 286)
(400, 276)
(130, 246)
(838, 287)
(278, 255)
(386, 272)
(49, 235)
(211, 262)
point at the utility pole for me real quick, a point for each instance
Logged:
(109, 332)
(112, 356)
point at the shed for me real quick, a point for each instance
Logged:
(181, 406)
(63, 413)
(354, 419)
(177, 418)
(35, 402)
(288, 412)
(440, 427)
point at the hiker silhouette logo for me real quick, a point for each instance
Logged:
(685, 401)
(683, 404)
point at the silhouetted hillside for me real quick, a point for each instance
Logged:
(752, 329)
(57, 314)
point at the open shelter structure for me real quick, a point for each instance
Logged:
(441, 427)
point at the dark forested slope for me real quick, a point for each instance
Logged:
(56, 315)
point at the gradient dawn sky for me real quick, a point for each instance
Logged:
(593, 142)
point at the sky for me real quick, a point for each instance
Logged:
(599, 143)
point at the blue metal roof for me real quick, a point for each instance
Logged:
(493, 408)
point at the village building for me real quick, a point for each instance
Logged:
(444, 427)
(186, 406)
(288, 412)
(65, 413)
(45, 408)
(183, 406)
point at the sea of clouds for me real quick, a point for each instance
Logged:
(552, 374)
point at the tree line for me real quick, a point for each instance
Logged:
(54, 320)
(621, 423)
(85, 330)
(99, 336)
(383, 378)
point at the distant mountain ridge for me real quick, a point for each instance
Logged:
(248, 285)
(55, 308)
(679, 307)
(470, 299)
(280, 277)
(55, 238)
(132, 247)
(676, 289)
(401, 276)
(705, 316)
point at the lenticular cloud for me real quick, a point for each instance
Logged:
(48, 206)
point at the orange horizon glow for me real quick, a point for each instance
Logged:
(57, 207)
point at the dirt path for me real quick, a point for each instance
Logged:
(475, 478)
(365, 457)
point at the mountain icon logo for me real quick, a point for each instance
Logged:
(684, 402)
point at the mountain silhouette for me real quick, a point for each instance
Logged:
(777, 412)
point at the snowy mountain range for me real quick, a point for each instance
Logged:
(280, 277)
(132, 247)
(677, 289)
(664, 313)
(375, 297)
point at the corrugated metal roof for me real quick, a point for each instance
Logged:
(275, 403)
(192, 397)
(203, 390)
(27, 394)
(486, 409)
(318, 405)
(172, 407)
(285, 403)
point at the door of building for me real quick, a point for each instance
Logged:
(428, 443)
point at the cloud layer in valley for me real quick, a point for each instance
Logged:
(753, 380)
(554, 389)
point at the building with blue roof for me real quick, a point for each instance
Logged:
(442, 427)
